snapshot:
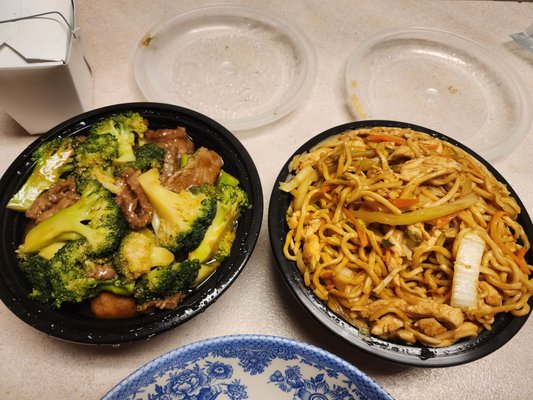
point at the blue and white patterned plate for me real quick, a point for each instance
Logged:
(248, 367)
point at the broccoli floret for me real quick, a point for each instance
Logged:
(37, 271)
(147, 156)
(94, 158)
(180, 219)
(96, 149)
(128, 128)
(219, 237)
(52, 160)
(223, 248)
(69, 275)
(95, 217)
(66, 277)
(164, 282)
(49, 251)
(138, 254)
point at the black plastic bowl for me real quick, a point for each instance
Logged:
(72, 326)
(503, 329)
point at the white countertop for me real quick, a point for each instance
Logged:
(34, 365)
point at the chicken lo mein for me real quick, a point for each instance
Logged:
(405, 236)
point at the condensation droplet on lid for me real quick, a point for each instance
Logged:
(431, 95)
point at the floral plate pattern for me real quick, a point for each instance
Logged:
(248, 367)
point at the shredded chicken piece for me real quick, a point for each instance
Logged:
(311, 248)
(311, 251)
(59, 196)
(292, 221)
(400, 248)
(203, 167)
(371, 308)
(448, 315)
(386, 325)
(401, 153)
(300, 161)
(411, 169)
(430, 327)
(407, 336)
(133, 201)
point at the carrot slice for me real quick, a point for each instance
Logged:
(325, 188)
(361, 234)
(445, 220)
(386, 138)
(350, 216)
(403, 203)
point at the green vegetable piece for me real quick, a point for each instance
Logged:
(181, 219)
(128, 128)
(66, 277)
(163, 282)
(94, 159)
(138, 254)
(52, 160)
(420, 215)
(37, 270)
(95, 217)
(225, 178)
(147, 156)
(184, 159)
(218, 238)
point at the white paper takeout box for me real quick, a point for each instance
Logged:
(44, 77)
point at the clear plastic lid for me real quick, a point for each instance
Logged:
(238, 65)
(441, 81)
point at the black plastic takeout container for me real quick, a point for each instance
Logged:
(503, 329)
(72, 326)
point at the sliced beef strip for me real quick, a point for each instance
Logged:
(105, 271)
(59, 196)
(133, 201)
(203, 167)
(176, 142)
(162, 304)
